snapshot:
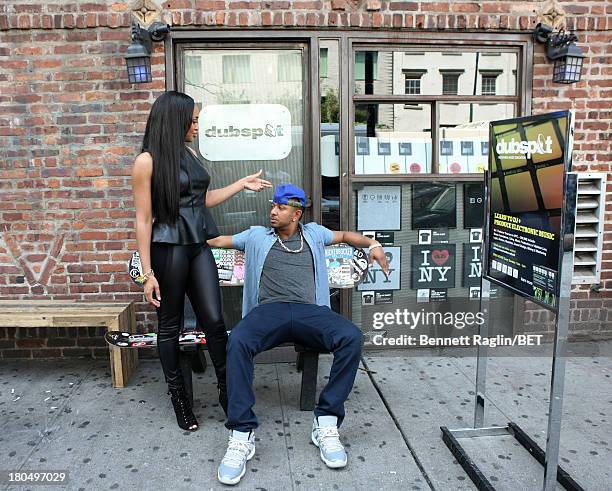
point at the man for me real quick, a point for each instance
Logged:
(286, 299)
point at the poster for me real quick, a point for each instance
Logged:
(473, 204)
(230, 265)
(383, 298)
(379, 207)
(384, 238)
(472, 265)
(433, 266)
(375, 278)
(367, 298)
(434, 205)
(438, 295)
(529, 159)
(338, 261)
(245, 132)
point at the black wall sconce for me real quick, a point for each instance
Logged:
(138, 56)
(561, 48)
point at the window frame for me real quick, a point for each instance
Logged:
(410, 77)
(488, 78)
(451, 73)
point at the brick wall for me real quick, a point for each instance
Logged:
(53, 342)
(70, 124)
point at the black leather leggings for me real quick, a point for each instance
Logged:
(188, 269)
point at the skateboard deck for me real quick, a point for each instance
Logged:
(149, 340)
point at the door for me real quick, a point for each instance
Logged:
(252, 116)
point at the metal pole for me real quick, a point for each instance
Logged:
(555, 407)
(485, 295)
(482, 353)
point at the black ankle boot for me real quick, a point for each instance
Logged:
(182, 408)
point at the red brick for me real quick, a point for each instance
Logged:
(404, 6)
(435, 6)
(209, 5)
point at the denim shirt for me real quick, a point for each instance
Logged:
(256, 243)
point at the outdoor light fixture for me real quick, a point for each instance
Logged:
(138, 56)
(561, 48)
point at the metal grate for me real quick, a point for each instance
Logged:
(588, 240)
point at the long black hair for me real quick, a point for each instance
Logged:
(169, 120)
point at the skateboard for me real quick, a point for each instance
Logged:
(149, 340)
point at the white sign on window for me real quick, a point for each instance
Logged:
(245, 132)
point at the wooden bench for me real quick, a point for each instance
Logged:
(113, 316)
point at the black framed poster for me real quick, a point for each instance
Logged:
(434, 205)
(529, 161)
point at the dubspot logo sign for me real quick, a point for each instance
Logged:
(519, 149)
(245, 132)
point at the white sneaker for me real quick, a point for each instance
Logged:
(325, 436)
(240, 449)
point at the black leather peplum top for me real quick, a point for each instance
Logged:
(195, 223)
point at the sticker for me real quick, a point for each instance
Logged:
(383, 298)
(367, 298)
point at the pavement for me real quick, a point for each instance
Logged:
(65, 416)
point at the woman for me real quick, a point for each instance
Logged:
(171, 197)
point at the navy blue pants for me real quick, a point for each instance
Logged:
(272, 324)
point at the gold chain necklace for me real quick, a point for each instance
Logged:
(291, 250)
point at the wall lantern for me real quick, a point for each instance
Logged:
(138, 55)
(561, 48)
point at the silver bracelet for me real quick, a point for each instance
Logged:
(378, 244)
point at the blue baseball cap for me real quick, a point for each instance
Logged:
(289, 194)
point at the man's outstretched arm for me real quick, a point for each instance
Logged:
(357, 240)
(237, 241)
(223, 241)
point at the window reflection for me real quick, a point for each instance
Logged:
(392, 138)
(435, 73)
(464, 135)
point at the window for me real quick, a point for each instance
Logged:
(323, 54)
(413, 84)
(488, 84)
(236, 69)
(193, 70)
(450, 83)
(446, 148)
(362, 61)
(289, 67)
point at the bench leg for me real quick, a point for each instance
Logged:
(310, 367)
(299, 362)
(185, 361)
(123, 362)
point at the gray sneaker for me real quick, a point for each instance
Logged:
(240, 449)
(325, 436)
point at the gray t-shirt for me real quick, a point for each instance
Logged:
(288, 276)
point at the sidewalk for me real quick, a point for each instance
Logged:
(59, 415)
